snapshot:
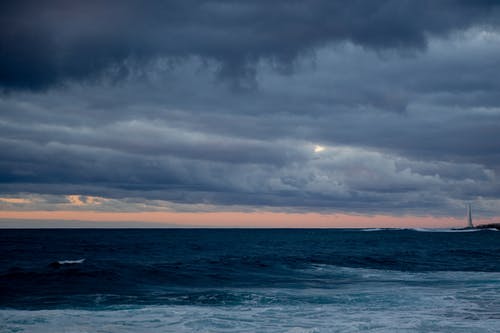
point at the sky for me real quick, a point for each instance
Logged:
(249, 113)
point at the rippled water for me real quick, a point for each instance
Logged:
(245, 280)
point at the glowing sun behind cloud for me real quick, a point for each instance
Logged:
(318, 148)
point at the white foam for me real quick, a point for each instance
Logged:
(70, 262)
(384, 301)
(416, 313)
(430, 229)
(444, 230)
(373, 275)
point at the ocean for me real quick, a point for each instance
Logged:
(249, 280)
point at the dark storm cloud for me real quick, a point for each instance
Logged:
(402, 95)
(47, 43)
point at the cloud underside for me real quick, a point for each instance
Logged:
(225, 104)
(45, 44)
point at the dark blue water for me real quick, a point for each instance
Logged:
(230, 270)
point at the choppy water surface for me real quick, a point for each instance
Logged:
(243, 280)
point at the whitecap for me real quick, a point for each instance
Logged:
(71, 262)
(385, 229)
(409, 310)
(444, 230)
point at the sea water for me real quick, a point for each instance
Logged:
(249, 280)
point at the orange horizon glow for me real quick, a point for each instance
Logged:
(243, 219)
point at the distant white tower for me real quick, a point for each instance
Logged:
(469, 217)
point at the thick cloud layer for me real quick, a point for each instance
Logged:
(47, 43)
(360, 107)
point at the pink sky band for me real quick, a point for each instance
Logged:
(241, 219)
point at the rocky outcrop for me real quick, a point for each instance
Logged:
(489, 226)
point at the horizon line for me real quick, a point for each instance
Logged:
(250, 220)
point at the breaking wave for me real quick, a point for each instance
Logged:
(249, 281)
(70, 262)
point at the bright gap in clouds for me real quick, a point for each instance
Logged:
(318, 148)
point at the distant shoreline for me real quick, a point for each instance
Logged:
(489, 226)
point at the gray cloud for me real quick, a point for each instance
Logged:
(406, 106)
(47, 44)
